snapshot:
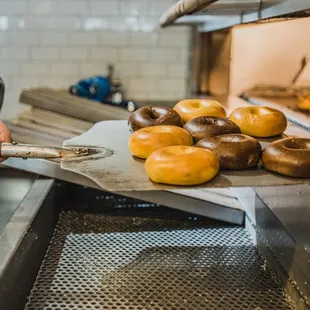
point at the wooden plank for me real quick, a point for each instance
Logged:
(73, 106)
(30, 136)
(41, 129)
(105, 111)
(55, 120)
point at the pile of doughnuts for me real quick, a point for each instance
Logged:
(189, 144)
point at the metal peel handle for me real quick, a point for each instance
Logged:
(34, 151)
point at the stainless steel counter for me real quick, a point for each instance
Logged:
(280, 216)
(14, 185)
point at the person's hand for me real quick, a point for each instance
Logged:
(5, 136)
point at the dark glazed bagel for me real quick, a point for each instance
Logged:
(289, 156)
(153, 116)
(208, 126)
(236, 151)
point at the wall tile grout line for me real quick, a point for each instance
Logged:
(54, 43)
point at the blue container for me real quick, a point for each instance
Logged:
(96, 88)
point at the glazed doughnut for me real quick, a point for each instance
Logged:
(236, 151)
(289, 156)
(182, 165)
(192, 108)
(147, 140)
(153, 116)
(259, 121)
(210, 126)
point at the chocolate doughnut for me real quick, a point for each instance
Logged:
(209, 126)
(236, 151)
(153, 116)
(289, 156)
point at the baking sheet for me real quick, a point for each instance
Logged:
(113, 168)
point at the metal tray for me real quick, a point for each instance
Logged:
(147, 262)
(120, 253)
(113, 168)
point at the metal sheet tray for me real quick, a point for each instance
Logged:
(128, 262)
(113, 168)
(68, 250)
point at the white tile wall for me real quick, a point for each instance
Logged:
(73, 53)
(56, 42)
(44, 53)
(37, 68)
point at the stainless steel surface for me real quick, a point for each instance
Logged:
(223, 14)
(292, 208)
(287, 213)
(217, 209)
(14, 185)
(119, 171)
(118, 245)
(153, 261)
(232, 7)
(281, 218)
(36, 151)
(220, 207)
(23, 243)
(275, 8)
(19, 222)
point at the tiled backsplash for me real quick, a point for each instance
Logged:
(56, 42)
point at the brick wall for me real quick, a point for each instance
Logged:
(56, 42)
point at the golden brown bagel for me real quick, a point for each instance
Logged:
(236, 151)
(304, 103)
(289, 156)
(192, 108)
(182, 165)
(210, 126)
(153, 116)
(147, 140)
(259, 121)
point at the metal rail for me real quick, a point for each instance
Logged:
(183, 7)
(215, 15)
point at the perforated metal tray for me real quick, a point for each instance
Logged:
(141, 256)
